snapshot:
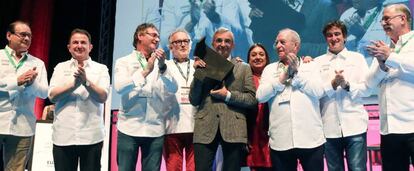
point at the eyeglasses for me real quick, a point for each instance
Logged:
(283, 42)
(227, 41)
(153, 35)
(181, 42)
(23, 34)
(388, 19)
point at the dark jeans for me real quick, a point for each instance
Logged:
(355, 148)
(66, 157)
(233, 153)
(396, 150)
(127, 152)
(311, 159)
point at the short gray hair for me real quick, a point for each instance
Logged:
(294, 35)
(178, 31)
(223, 30)
(402, 8)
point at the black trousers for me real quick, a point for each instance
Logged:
(396, 150)
(310, 159)
(66, 157)
(233, 153)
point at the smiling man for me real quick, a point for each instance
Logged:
(292, 89)
(392, 71)
(344, 117)
(142, 80)
(79, 87)
(221, 115)
(180, 118)
(22, 78)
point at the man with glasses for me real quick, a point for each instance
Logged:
(393, 73)
(180, 118)
(363, 21)
(293, 90)
(22, 78)
(142, 80)
(220, 118)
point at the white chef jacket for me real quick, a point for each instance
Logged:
(78, 117)
(294, 120)
(396, 86)
(180, 118)
(142, 112)
(343, 113)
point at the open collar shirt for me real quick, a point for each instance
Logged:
(343, 113)
(17, 102)
(294, 120)
(396, 87)
(180, 117)
(143, 109)
(78, 117)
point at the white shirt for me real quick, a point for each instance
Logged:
(142, 112)
(180, 118)
(294, 120)
(343, 113)
(78, 117)
(396, 86)
(17, 102)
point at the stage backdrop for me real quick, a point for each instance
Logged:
(251, 21)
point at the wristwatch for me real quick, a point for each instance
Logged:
(347, 86)
(87, 83)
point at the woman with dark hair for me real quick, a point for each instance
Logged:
(258, 158)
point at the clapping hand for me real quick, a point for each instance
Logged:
(27, 78)
(381, 51)
(293, 64)
(80, 75)
(338, 80)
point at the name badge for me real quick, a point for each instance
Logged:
(325, 67)
(67, 73)
(184, 95)
(4, 62)
(284, 97)
(135, 67)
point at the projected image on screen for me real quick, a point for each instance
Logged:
(254, 21)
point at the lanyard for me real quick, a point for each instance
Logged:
(12, 61)
(181, 71)
(399, 49)
(142, 62)
(282, 67)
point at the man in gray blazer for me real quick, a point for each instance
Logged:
(220, 118)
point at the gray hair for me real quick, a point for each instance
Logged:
(402, 8)
(180, 30)
(223, 30)
(294, 35)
